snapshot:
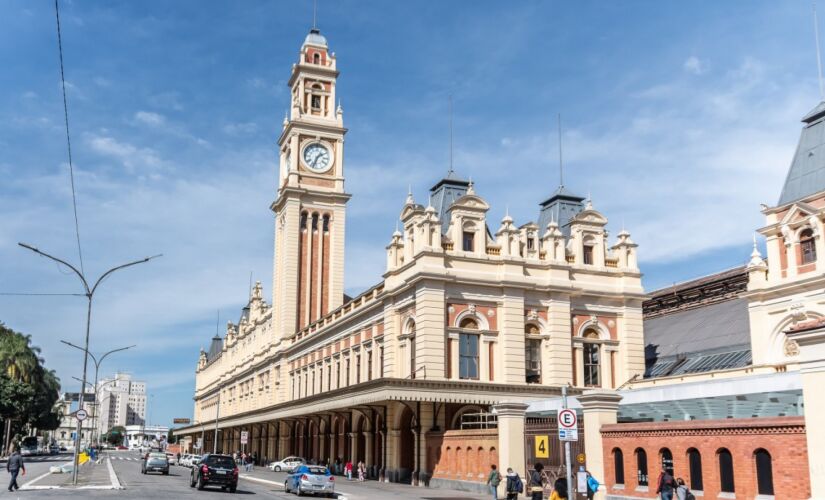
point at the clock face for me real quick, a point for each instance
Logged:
(317, 157)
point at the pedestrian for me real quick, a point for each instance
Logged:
(514, 486)
(348, 470)
(250, 464)
(559, 489)
(665, 485)
(592, 486)
(177, 458)
(682, 491)
(14, 465)
(494, 479)
(361, 470)
(536, 483)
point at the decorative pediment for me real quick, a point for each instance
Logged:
(590, 216)
(471, 202)
(798, 213)
(411, 210)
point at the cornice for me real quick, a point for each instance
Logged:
(310, 125)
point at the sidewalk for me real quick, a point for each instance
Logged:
(365, 489)
(91, 475)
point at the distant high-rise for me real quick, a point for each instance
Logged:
(122, 402)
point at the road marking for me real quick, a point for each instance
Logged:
(30, 484)
(266, 481)
(115, 482)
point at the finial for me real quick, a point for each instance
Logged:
(818, 55)
(410, 200)
(561, 164)
(286, 118)
(756, 257)
(470, 189)
(397, 233)
(339, 110)
(589, 205)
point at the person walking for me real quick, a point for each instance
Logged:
(592, 486)
(348, 470)
(514, 484)
(14, 465)
(559, 489)
(361, 470)
(494, 479)
(682, 491)
(665, 485)
(536, 483)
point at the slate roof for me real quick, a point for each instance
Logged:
(562, 206)
(806, 175)
(444, 194)
(215, 349)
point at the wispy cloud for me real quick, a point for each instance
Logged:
(695, 66)
(150, 118)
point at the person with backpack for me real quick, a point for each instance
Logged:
(682, 491)
(592, 486)
(494, 479)
(537, 482)
(514, 484)
(665, 485)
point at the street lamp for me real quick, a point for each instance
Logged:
(97, 363)
(90, 292)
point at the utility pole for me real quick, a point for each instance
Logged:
(89, 293)
(567, 472)
(217, 414)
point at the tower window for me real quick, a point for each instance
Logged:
(588, 254)
(468, 356)
(808, 246)
(532, 355)
(316, 58)
(303, 220)
(314, 222)
(530, 243)
(467, 241)
(326, 223)
(316, 102)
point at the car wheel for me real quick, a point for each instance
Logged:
(200, 484)
(277, 468)
(286, 486)
(191, 481)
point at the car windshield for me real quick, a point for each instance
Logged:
(220, 461)
(312, 469)
(156, 460)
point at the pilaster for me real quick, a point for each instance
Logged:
(599, 407)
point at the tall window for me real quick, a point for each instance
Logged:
(369, 365)
(532, 355)
(641, 467)
(591, 364)
(695, 465)
(316, 58)
(303, 220)
(530, 242)
(467, 241)
(618, 465)
(348, 370)
(337, 374)
(468, 356)
(764, 472)
(381, 361)
(329, 378)
(588, 254)
(725, 471)
(412, 357)
(667, 460)
(316, 102)
(358, 369)
(808, 246)
(326, 223)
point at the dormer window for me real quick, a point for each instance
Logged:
(530, 244)
(808, 246)
(588, 254)
(467, 241)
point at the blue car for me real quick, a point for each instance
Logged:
(310, 480)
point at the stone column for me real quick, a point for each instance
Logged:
(578, 352)
(511, 436)
(600, 407)
(811, 340)
(353, 447)
(606, 366)
(368, 445)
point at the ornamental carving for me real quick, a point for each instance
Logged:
(472, 308)
(611, 323)
(491, 313)
(798, 312)
(791, 348)
(532, 314)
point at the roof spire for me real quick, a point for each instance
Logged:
(314, 14)
(561, 164)
(450, 170)
(818, 55)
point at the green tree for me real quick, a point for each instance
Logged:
(116, 435)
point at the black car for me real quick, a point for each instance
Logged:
(155, 462)
(215, 470)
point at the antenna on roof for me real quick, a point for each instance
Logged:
(561, 164)
(250, 286)
(818, 55)
(217, 323)
(314, 14)
(450, 171)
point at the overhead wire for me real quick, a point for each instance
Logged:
(68, 138)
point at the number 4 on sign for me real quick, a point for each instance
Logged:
(542, 447)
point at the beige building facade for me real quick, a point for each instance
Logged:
(470, 314)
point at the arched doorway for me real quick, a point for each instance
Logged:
(360, 443)
(406, 463)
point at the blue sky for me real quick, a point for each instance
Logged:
(679, 119)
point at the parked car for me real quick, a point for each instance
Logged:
(310, 479)
(155, 462)
(184, 460)
(120, 447)
(288, 464)
(215, 470)
(194, 460)
(54, 450)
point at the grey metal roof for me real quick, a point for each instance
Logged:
(560, 207)
(807, 173)
(215, 348)
(444, 193)
(315, 38)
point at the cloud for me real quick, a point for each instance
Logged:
(132, 157)
(695, 66)
(240, 128)
(150, 118)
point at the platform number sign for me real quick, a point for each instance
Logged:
(542, 446)
(568, 425)
(244, 437)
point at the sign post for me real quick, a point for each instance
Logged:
(567, 420)
(244, 440)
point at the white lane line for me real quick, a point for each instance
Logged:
(115, 481)
(30, 484)
(266, 481)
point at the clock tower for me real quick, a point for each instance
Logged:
(310, 205)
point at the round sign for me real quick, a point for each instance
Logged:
(580, 458)
(81, 414)
(567, 419)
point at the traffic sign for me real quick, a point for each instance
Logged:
(244, 437)
(581, 458)
(568, 430)
(81, 414)
(542, 446)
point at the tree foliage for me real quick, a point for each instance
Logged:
(116, 435)
(28, 391)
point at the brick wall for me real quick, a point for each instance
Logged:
(782, 437)
(462, 455)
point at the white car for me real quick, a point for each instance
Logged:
(287, 464)
(185, 460)
(193, 461)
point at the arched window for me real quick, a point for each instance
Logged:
(316, 58)
(695, 466)
(315, 222)
(588, 254)
(326, 223)
(764, 472)
(467, 241)
(618, 465)
(667, 460)
(808, 246)
(303, 220)
(468, 324)
(591, 365)
(641, 467)
(726, 484)
(532, 359)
